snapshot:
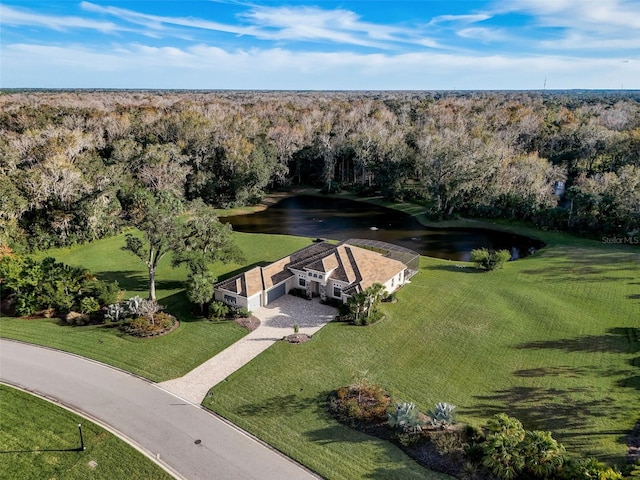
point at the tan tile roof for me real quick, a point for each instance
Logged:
(330, 263)
(347, 270)
(276, 272)
(324, 264)
(246, 284)
(358, 267)
(372, 267)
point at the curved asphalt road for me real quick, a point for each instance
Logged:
(158, 422)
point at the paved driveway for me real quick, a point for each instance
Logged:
(276, 321)
(163, 426)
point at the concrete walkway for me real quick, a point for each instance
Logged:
(276, 321)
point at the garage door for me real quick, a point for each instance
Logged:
(275, 292)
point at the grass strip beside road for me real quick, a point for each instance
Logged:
(40, 440)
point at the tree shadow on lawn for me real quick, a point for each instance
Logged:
(615, 340)
(388, 473)
(179, 306)
(280, 405)
(572, 410)
(623, 340)
(133, 280)
(456, 268)
(547, 408)
(588, 265)
(337, 433)
(568, 372)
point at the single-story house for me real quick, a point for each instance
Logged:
(322, 269)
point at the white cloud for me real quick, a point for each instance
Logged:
(585, 24)
(297, 23)
(461, 19)
(207, 67)
(19, 17)
(156, 22)
(583, 13)
(484, 34)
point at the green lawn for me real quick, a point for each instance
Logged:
(553, 339)
(38, 440)
(158, 359)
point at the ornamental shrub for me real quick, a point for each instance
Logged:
(588, 469)
(442, 415)
(89, 305)
(406, 418)
(218, 310)
(361, 404)
(489, 259)
(116, 312)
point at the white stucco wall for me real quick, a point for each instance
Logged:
(219, 295)
(332, 283)
(394, 282)
(255, 302)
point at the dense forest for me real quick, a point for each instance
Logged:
(73, 163)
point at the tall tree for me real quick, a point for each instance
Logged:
(203, 239)
(157, 218)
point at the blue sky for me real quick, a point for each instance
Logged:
(321, 44)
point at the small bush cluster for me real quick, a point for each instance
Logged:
(442, 415)
(300, 292)
(76, 319)
(143, 327)
(360, 405)
(489, 259)
(332, 302)
(140, 316)
(362, 307)
(219, 311)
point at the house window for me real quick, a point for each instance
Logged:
(229, 300)
(337, 291)
(302, 282)
(310, 273)
(393, 280)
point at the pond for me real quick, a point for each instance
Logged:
(341, 219)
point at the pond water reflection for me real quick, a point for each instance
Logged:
(340, 219)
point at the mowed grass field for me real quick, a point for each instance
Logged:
(38, 440)
(158, 359)
(553, 339)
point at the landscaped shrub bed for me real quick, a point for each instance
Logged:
(502, 450)
(219, 311)
(141, 317)
(363, 406)
(162, 323)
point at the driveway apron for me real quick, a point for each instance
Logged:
(276, 321)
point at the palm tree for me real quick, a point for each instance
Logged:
(365, 303)
(543, 454)
(357, 304)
